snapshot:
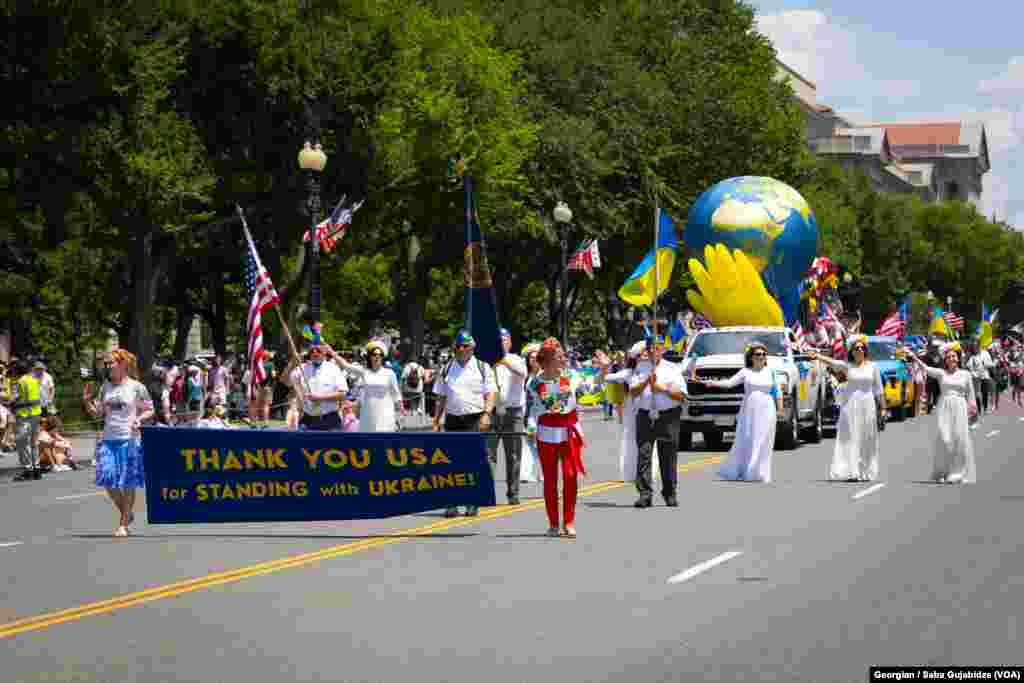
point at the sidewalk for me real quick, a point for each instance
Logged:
(82, 446)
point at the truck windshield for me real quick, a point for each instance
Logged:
(716, 343)
(882, 350)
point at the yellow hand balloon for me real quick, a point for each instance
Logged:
(731, 290)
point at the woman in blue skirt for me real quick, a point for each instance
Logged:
(124, 404)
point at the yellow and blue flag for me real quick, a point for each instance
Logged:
(985, 333)
(678, 335)
(939, 324)
(639, 289)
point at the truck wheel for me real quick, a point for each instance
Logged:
(789, 436)
(685, 441)
(813, 433)
(713, 440)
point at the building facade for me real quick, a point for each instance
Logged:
(937, 161)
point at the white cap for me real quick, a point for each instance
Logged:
(637, 349)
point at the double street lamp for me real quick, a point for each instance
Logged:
(563, 216)
(312, 160)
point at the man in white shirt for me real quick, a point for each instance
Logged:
(510, 372)
(466, 393)
(47, 389)
(658, 395)
(327, 387)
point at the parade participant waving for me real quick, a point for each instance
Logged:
(124, 403)
(327, 386)
(639, 363)
(380, 399)
(954, 451)
(554, 424)
(856, 454)
(750, 458)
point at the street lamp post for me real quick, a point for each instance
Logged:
(563, 216)
(312, 160)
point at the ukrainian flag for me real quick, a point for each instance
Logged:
(638, 290)
(678, 335)
(939, 324)
(985, 333)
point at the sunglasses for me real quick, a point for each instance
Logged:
(377, 353)
(759, 353)
(463, 346)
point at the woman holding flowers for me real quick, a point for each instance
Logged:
(856, 454)
(954, 452)
(553, 423)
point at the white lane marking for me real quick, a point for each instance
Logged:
(80, 495)
(992, 433)
(1020, 419)
(868, 491)
(10, 545)
(704, 566)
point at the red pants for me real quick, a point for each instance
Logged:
(549, 459)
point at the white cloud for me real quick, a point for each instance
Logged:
(1010, 82)
(826, 54)
(1017, 222)
(995, 196)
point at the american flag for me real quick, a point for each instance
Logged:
(954, 321)
(798, 335)
(896, 324)
(333, 228)
(586, 258)
(262, 296)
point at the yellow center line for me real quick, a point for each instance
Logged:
(43, 621)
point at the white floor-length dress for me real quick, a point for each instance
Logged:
(378, 394)
(750, 458)
(628, 451)
(954, 451)
(856, 453)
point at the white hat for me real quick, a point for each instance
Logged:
(636, 350)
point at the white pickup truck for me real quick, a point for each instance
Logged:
(717, 353)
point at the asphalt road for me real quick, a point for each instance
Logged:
(798, 580)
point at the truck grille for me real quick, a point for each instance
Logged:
(696, 411)
(714, 374)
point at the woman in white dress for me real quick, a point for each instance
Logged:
(380, 397)
(529, 468)
(856, 454)
(954, 451)
(638, 363)
(750, 458)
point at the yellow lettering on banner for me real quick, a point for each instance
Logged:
(444, 480)
(281, 488)
(244, 490)
(424, 485)
(215, 489)
(392, 487)
(188, 454)
(201, 494)
(335, 459)
(408, 485)
(311, 458)
(460, 479)
(418, 456)
(231, 462)
(227, 493)
(254, 460)
(259, 489)
(376, 488)
(439, 458)
(275, 458)
(209, 460)
(359, 460)
(300, 489)
(400, 459)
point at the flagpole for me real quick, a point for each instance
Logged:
(657, 269)
(277, 306)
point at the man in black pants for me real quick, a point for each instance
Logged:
(466, 390)
(326, 386)
(658, 395)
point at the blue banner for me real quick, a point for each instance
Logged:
(269, 475)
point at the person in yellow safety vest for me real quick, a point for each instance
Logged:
(27, 411)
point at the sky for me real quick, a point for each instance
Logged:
(909, 60)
